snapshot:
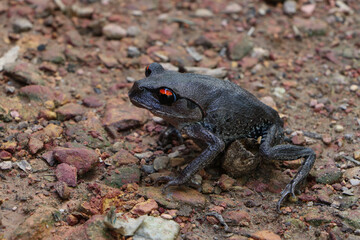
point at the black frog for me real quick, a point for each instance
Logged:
(217, 113)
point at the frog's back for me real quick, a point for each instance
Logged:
(232, 112)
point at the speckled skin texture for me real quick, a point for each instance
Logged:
(217, 112)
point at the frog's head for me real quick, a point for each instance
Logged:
(165, 94)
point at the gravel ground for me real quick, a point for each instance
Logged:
(78, 160)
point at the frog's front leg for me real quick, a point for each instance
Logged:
(270, 150)
(214, 147)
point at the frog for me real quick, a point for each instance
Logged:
(218, 113)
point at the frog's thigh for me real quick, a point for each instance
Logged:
(238, 160)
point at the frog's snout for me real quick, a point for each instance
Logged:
(135, 90)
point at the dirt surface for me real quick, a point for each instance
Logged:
(72, 145)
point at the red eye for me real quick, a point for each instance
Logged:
(165, 91)
(166, 96)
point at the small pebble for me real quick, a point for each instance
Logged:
(133, 31)
(357, 155)
(233, 8)
(133, 52)
(166, 216)
(339, 128)
(10, 89)
(319, 107)
(204, 13)
(289, 7)
(354, 182)
(5, 165)
(22, 25)
(354, 88)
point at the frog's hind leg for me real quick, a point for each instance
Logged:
(269, 150)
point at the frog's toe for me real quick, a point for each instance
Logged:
(163, 179)
(289, 189)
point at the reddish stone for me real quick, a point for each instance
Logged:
(92, 102)
(24, 72)
(42, 93)
(122, 116)
(123, 157)
(66, 173)
(48, 67)
(266, 235)
(69, 111)
(307, 198)
(248, 62)
(257, 186)
(145, 207)
(63, 190)
(35, 145)
(326, 138)
(237, 217)
(4, 155)
(289, 83)
(226, 182)
(82, 158)
(74, 38)
(72, 220)
(318, 107)
(188, 195)
(49, 158)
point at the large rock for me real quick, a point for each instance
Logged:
(157, 228)
(82, 158)
(24, 72)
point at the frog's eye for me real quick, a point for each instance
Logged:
(166, 96)
(147, 71)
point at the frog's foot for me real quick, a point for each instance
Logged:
(171, 181)
(289, 189)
